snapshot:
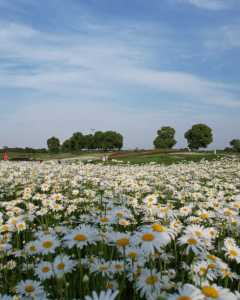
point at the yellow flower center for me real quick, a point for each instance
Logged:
(204, 216)
(211, 266)
(104, 219)
(132, 255)
(80, 237)
(192, 242)
(122, 242)
(148, 237)
(184, 298)
(226, 272)
(5, 228)
(158, 228)
(150, 200)
(212, 257)
(119, 215)
(228, 212)
(103, 268)
(151, 280)
(32, 248)
(61, 266)
(211, 292)
(109, 285)
(21, 226)
(118, 267)
(29, 288)
(198, 233)
(203, 271)
(47, 244)
(233, 253)
(45, 269)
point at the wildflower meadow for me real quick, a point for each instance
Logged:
(113, 231)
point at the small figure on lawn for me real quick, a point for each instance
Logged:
(5, 156)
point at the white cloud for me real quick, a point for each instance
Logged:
(222, 38)
(75, 66)
(211, 4)
(78, 79)
(232, 35)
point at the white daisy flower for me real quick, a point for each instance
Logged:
(187, 292)
(30, 289)
(62, 265)
(119, 239)
(193, 243)
(44, 270)
(215, 292)
(31, 248)
(117, 266)
(81, 236)
(151, 239)
(148, 282)
(48, 243)
(102, 267)
(104, 295)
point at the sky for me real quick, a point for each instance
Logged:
(130, 66)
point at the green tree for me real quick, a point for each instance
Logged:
(235, 145)
(53, 144)
(118, 142)
(77, 141)
(165, 138)
(199, 136)
(89, 142)
(66, 146)
(112, 140)
(99, 140)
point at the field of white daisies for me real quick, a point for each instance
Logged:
(94, 231)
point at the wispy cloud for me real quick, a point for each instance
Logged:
(85, 78)
(223, 38)
(211, 4)
(74, 66)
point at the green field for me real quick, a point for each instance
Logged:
(168, 158)
(132, 157)
(50, 156)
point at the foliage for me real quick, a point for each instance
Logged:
(53, 144)
(112, 140)
(165, 138)
(23, 150)
(199, 136)
(108, 140)
(235, 145)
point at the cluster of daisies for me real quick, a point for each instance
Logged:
(102, 232)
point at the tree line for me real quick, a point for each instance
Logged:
(198, 136)
(100, 140)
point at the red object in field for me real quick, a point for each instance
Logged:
(5, 156)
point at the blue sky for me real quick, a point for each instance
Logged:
(131, 66)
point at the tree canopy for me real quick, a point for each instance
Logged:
(53, 144)
(199, 136)
(165, 138)
(108, 140)
(235, 145)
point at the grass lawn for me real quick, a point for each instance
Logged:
(141, 157)
(49, 156)
(169, 158)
